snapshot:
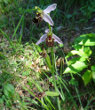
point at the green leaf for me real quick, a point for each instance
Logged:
(87, 76)
(76, 67)
(1, 101)
(86, 40)
(74, 82)
(93, 72)
(83, 53)
(93, 68)
(17, 27)
(50, 93)
(38, 48)
(48, 61)
(74, 60)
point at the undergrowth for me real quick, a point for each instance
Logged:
(35, 77)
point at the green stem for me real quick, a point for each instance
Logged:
(52, 59)
(50, 29)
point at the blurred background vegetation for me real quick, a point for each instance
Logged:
(70, 14)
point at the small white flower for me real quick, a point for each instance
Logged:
(44, 14)
(51, 37)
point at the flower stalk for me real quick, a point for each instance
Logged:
(49, 37)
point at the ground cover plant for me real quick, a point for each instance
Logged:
(47, 55)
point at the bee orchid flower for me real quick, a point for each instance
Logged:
(50, 38)
(44, 14)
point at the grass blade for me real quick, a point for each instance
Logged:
(17, 27)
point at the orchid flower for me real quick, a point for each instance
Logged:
(44, 14)
(50, 38)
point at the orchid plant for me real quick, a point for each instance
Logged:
(49, 37)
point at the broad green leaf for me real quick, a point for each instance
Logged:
(93, 68)
(76, 67)
(50, 93)
(86, 40)
(82, 54)
(84, 51)
(87, 76)
(73, 60)
(76, 46)
(73, 52)
(74, 82)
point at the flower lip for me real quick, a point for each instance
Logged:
(49, 41)
(38, 18)
(50, 37)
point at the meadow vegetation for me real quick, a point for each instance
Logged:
(52, 75)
